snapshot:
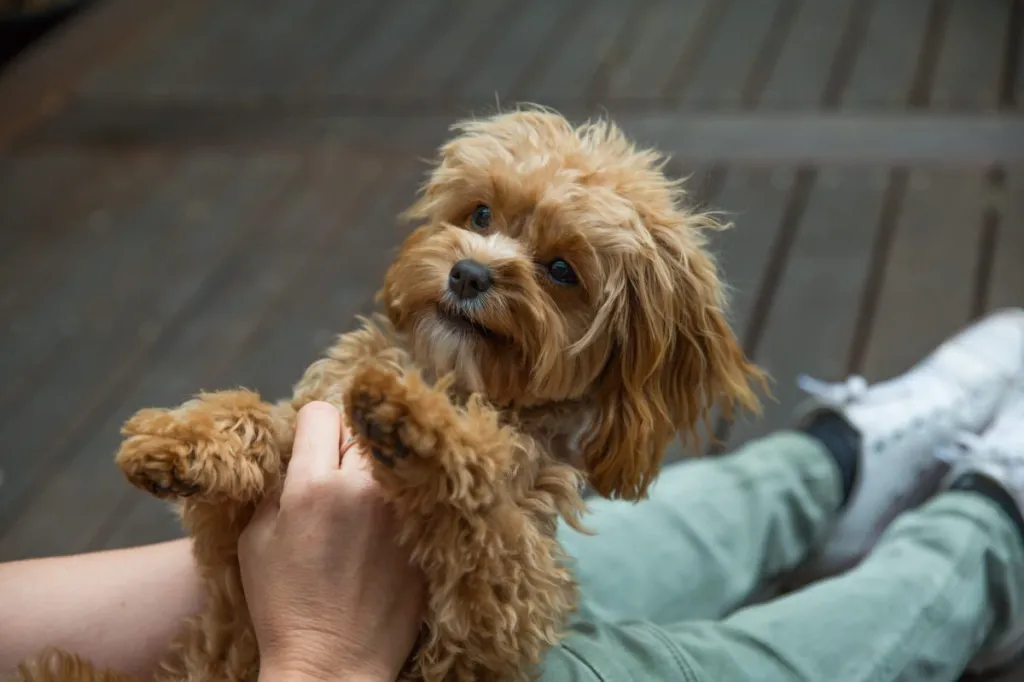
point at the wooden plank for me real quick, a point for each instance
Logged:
(968, 72)
(254, 54)
(1006, 285)
(811, 323)
(32, 190)
(589, 39)
(933, 258)
(501, 64)
(79, 229)
(754, 201)
(888, 59)
(840, 138)
(807, 137)
(154, 68)
(657, 42)
(805, 66)
(1015, 58)
(86, 481)
(40, 81)
(721, 76)
(241, 51)
(442, 59)
(411, 23)
(60, 234)
(80, 300)
(106, 355)
(298, 325)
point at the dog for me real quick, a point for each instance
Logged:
(554, 320)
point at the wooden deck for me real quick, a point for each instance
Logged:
(199, 195)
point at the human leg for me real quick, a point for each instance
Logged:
(943, 590)
(944, 583)
(714, 530)
(708, 532)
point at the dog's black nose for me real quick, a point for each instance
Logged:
(468, 279)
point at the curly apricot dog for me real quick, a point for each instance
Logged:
(555, 318)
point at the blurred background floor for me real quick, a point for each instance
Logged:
(199, 195)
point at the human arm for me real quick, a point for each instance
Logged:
(93, 604)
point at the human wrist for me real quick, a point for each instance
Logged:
(303, 668)
(288, 675)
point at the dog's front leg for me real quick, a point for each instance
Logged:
(219, 447)
(477, 503)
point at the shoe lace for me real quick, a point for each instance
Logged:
(930, 386)
(838, 393)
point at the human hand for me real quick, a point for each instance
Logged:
(330, 592)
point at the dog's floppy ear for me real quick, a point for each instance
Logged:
(675, 357)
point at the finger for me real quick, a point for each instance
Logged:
(354, 462)
(262, 521)
(315, 450)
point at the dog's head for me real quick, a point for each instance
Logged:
(556, 263)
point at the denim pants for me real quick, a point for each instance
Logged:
(664, 581)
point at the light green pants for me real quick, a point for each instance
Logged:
(661, 580)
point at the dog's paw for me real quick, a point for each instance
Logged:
(156, 458)
(383, 413)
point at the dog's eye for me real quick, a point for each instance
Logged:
(562, 272)
(481, 217)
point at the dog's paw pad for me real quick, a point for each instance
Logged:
(379, 423)
(163, 467)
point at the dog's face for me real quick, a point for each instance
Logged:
(556, 263)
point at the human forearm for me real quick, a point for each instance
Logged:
(118, 608)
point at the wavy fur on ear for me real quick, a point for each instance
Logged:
(675, 356)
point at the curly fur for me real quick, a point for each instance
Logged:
(484, 417)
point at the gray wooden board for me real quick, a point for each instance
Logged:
(1017, 86)
(722, 72)
(805, 64)
(49, 293)
(51, 233)
(411, 23)
(67, 403)
(657, 41)
(78, 304)
(161, 70)
(72, 297)
(498, 68)
(753, 200)
(256, 50)
(581, 51)
(927, 290)
(442, 59)
(88, 481)
(313, 58)
(31, 193)
(888, 58)
(811, 322)
(1006, 287)
(973, 48)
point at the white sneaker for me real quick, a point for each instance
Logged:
(902, 421)
(998, 455)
